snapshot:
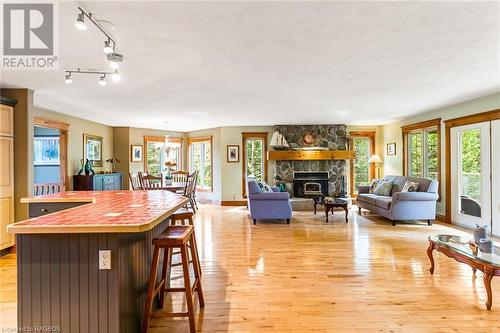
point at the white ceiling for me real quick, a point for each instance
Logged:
(209, 64)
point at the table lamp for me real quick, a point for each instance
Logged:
(377, 161)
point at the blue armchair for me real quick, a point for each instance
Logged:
(268, 205)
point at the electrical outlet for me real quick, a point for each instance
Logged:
(104, 259)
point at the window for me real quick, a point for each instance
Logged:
(156, 156)
(254, 157)
(422, 149)
(362, 172)
(200, 159)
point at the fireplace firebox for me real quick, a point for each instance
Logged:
(310, 182)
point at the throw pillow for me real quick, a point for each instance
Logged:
(384, 187)
(264, 187)
(373, 185)
(410, 187)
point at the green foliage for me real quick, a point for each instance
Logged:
(254, 160)
(153, 162)
(471, 163)
(361, 164)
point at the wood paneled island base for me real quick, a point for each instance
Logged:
(59, 280)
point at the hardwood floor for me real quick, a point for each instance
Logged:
(364, 276)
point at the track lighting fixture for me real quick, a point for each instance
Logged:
(107, 47)
(80, 22)
(115, 76)
(109, 43)
(115, 59)
(102, 81)
(68, 79)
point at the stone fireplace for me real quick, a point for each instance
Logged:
(331, 137)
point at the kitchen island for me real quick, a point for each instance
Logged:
(61, 283)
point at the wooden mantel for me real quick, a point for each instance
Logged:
(310, 155)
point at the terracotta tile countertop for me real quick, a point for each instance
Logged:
(104, 212)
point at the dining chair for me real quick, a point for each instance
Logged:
(135, 181)
(150, 182)
(188, 191)
(193, 195)
(179, 176)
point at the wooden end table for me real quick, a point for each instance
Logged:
(336, 202)
(458, 248)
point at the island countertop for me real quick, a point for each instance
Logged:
(101, 212)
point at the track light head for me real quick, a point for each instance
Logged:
(80, 22)
(115, 59)
(107, 47)
(68, 79)
(102, 81)
(115, 76)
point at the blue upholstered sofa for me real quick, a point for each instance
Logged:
(420, 205)
(267, 205)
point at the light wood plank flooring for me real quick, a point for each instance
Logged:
(364, 276)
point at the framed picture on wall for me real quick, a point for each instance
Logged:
(136, 153)
(391, 148)
(233, 153)
(92, 149)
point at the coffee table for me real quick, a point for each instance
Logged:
(458, 248)
(336, 202)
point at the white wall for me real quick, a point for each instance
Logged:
(392, 133)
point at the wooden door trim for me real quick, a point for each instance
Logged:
(63, 146)
(421, 126)
(244, 136)
(361, 134)
(42, 122)
(456, 122)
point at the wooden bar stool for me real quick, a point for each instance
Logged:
(182, 215)
(174, 237)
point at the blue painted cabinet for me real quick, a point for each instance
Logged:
(98, 182)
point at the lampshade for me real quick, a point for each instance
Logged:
(375, 159)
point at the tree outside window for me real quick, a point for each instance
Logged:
(200, 159)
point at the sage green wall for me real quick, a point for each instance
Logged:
(121, 152)
(217, 156)
(392, 133)
(136, 137)
(232, 172)
(77, 127)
